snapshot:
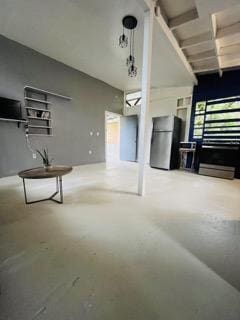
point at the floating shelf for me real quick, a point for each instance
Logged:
(38, 109)
(46, 92)
(14, 120)
(38, 118)
(37, 100)
(39, 134)
(41, 127)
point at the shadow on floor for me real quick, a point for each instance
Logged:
(214, 242)
(13, 207)
(95, 195)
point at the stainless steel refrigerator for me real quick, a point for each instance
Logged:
(166, 134)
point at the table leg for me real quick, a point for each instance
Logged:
(59, 190)
(25, 193)
(57, 184)
(193, 160)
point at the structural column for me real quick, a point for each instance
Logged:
(146, 81)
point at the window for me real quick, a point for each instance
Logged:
(217, 120)
(184, 112)
(133, 99)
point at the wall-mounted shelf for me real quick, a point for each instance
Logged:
(33, 89)
(38, 118)
(14, 120)
(37, 100)
(42, 127)
(37, 107)
(38, 134)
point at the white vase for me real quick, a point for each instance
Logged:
(48, 167)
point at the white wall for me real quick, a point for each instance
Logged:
(163, 102)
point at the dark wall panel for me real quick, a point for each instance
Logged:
(212, 86)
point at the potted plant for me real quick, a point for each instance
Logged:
(47, 162)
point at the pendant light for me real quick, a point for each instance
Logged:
(123, 40)
(132, 69)
(130, 23)
(131, 58)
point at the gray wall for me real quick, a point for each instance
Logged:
(72, 120)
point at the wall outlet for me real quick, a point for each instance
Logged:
(90, 151)
(34, 156)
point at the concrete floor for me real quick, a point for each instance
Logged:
(107, 254)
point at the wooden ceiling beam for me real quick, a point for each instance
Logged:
(205, 69)
(229, 50)
(205, 55)
(231, 64)
(182, 19)
(231, 57)
(228, 31)
(216, 44)
(161, 19)
(196, 40)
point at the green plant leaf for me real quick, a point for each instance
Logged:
(40, 153)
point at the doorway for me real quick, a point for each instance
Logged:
(112, 134)
(129, 138)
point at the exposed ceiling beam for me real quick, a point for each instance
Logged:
(211, 60)
(183, 18)
(228, 31)
(163, 24)
(231, 57)
(231, 64)
(210, 54)
(158, 9)
(196, 40)
(216, 44)
(205, 69)
(202, 56)
(229, 50)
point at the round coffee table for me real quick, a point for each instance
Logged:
(46, 173)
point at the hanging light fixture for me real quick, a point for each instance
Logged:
(130, 60)
(123, 40)
(132, 71)
(130, 23)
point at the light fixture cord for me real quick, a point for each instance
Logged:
(130, 42)
(133, 44)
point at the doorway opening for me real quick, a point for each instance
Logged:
(112, 134)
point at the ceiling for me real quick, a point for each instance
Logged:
(207, 32)
(84, 35)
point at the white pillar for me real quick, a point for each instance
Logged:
(144, 115)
